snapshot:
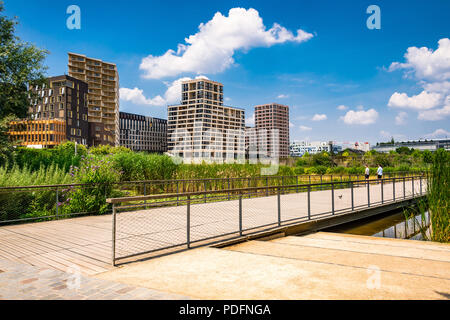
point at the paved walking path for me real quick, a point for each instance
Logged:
(24, 282)
(85, 242)
(317, 266)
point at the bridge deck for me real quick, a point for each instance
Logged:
(86, 242)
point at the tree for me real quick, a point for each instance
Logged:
(21, 65)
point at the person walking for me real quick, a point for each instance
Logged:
(380, 172)
(367, 172)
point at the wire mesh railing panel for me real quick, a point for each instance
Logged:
(144, 228)
(294, 203)
(343, 197)
(360, 195)
(213, 220)
(320, 202)
(258, 212)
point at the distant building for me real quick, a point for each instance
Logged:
(431, 145)
(142, 133)
(299, 148)
(58, 114)
(201, 123)
(103, 80)
(273, 118)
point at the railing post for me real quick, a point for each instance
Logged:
(145, 193)
(188, 222)
(113, 253)
(382, 193)
(351, 189)
(282, 183)
(57, 201)
(420, 184)
(412, 185)
(393, 188)
(204, 188)
(368, 193)
(240, 215)
(309, 202)
(321, 187)
(297, 184)
(332, 198)
(267, 185)
(279, 206)
(228, 189)
(404, 188)
(178, 197)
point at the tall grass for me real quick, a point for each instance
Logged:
(45, 175)
(439, 196)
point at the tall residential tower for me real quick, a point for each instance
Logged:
(273, 117)
(103, 98)
(205, 122)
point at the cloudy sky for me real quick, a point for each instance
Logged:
(342, 81)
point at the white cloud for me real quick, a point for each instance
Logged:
(212, 48)
(291, 125)
(250, 121)
(171, 96)
(342, 107)
(400, 119)
(360, 117)
(442, 87)
(426, 63)
(432, 69)
(435, 114)
(439, 133)
(423, 101)
(388, 135)
(283, 96)
(319, 117)
(305, 128)
(136, 96)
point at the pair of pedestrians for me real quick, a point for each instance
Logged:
(379, 172)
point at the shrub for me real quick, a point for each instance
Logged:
(99, 172)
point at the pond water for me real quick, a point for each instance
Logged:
(391, 225)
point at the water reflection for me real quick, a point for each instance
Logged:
(390, 226)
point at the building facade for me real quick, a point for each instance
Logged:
(142, 133)
(103, 80)
(274, 118)
(202, 125)
(299, 148)
(58, 112)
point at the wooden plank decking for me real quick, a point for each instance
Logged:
(85, 242)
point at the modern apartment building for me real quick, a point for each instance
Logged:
(103, 103)
(58, 112)
(273, 118)
(203, 125)
(141, 133)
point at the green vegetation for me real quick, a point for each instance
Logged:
(439, 197)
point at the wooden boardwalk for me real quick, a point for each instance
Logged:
(86, 243)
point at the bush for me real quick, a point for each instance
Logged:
(99, 172)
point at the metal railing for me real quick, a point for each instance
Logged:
(154, 223)
(21, 204)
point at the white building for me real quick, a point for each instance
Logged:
(299, 148)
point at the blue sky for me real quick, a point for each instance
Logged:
(334, 61)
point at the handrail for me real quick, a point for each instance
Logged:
(185, 180)
(237, 190)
